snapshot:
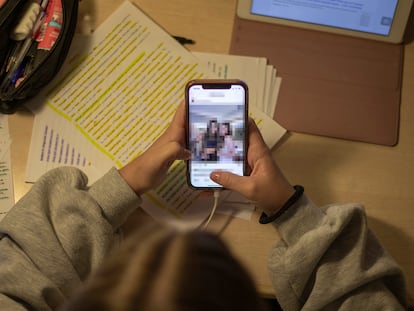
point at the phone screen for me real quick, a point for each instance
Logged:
(216, 129)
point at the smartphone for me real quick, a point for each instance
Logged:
(217, 116)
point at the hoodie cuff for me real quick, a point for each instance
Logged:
(115, 197)
(299, 219)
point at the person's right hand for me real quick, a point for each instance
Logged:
(265, 186)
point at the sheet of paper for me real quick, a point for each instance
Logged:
(6, 177)
(51, 148)
(271, 108)
(269, 83)
(4, 142)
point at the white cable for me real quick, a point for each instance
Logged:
(213, 210)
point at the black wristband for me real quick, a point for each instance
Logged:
(264, 219)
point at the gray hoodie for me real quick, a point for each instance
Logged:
(62, 230)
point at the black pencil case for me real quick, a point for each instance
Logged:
(12, 97)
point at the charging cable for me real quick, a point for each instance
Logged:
(213, 210)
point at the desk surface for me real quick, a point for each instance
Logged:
(332, 170)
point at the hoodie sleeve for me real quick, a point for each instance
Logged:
(328, 259)
(57, 234)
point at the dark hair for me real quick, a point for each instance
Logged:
(209, 128)
(163, 269)
(228, 127)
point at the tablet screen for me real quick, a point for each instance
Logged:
(371, 16)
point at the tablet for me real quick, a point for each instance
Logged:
(382, 20)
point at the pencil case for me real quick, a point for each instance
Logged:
(50, 30)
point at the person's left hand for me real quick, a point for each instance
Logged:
(149, 169)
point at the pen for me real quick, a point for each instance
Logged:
(183, 40)
(11, 57)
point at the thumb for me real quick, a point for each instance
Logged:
(228, 180)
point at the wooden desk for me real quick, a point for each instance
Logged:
(382, 178)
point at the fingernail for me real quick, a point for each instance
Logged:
(215, 176)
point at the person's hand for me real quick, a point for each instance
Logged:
(149, 169)
(265, 186)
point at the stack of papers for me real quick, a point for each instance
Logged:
(262, 79)
(6, 180)
(119, 92)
